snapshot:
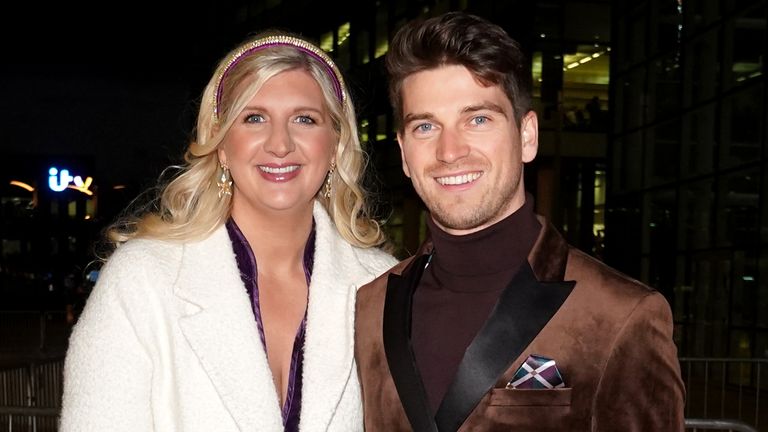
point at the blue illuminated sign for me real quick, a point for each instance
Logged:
(58, 180)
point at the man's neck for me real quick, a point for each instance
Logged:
(490, 250)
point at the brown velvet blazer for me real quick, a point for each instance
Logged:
(610, 336)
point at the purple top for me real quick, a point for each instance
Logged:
(246, 262)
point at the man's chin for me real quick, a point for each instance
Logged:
(458, 222)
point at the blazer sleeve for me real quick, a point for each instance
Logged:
(641, 388)
(107, 372)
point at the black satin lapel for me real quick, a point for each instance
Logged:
(397, 346)
(523, 309)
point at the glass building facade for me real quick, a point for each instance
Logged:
(569, 44)
(568, 41)
(687, 167)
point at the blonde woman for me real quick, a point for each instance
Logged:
(230, 308)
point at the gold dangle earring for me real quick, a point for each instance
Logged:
(328, 188)
(225, 181)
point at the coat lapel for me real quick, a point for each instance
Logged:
(397, 345)
(328, 349)
(536, 293)
(523, 309)
(222, 332)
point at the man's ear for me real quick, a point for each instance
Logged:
(529, 136)
(402, 156)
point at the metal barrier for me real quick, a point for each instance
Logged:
(726, 425)
(26, 419)
(726, 388)
(722, 394)
(30, 397)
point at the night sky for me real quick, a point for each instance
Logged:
(119, 90)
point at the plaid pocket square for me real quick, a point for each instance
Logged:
(537, 372)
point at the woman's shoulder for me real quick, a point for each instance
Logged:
(146, 251)
(375, 259)
(369, 260)
(142, 259)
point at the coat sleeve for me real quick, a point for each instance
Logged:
(641, 388)
(107, 372)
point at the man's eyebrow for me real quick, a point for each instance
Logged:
(417, 116)
(490, 106)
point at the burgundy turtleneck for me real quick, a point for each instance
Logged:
(458, 290)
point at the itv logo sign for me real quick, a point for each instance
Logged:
(60, 179)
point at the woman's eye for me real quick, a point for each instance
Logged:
(305, 119)
(254, 118)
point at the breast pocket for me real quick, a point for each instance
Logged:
(526, 397)
(529, 410)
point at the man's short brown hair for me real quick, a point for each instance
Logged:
(457, 38)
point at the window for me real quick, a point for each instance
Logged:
(741, 125)
(382, 32)
(343, 43)
(744, 53)
(697, 214)
(699, 139)
(662, 153)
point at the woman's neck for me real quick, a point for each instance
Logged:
(277, 239)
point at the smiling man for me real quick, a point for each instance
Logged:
(496, 323)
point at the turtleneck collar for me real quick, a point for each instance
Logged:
(500, 247)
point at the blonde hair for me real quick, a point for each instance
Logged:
(189, 207)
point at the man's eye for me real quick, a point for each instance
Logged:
(479, 120)
(424, 127)
(254, 118)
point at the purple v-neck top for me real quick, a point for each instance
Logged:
(246, 262)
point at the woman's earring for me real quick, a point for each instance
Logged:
(328, 188)
(225, 181)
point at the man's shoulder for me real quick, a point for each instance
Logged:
(615, 300)
(378, 286)
(595, 277)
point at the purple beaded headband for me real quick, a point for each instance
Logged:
(271, 41)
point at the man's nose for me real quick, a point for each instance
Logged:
(451, 147)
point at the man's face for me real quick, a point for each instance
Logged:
(462, 148)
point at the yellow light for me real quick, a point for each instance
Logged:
(326, 42)
(22, 185)
(573, 65)
(585, 59)
(82, 186)
(83, 190)
(342, 33)
(381, 48)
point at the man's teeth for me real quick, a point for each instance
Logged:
(280, 170)
(459, 179)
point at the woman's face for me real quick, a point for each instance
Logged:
(280, 147)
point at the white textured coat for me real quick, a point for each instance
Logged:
(168, 342)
